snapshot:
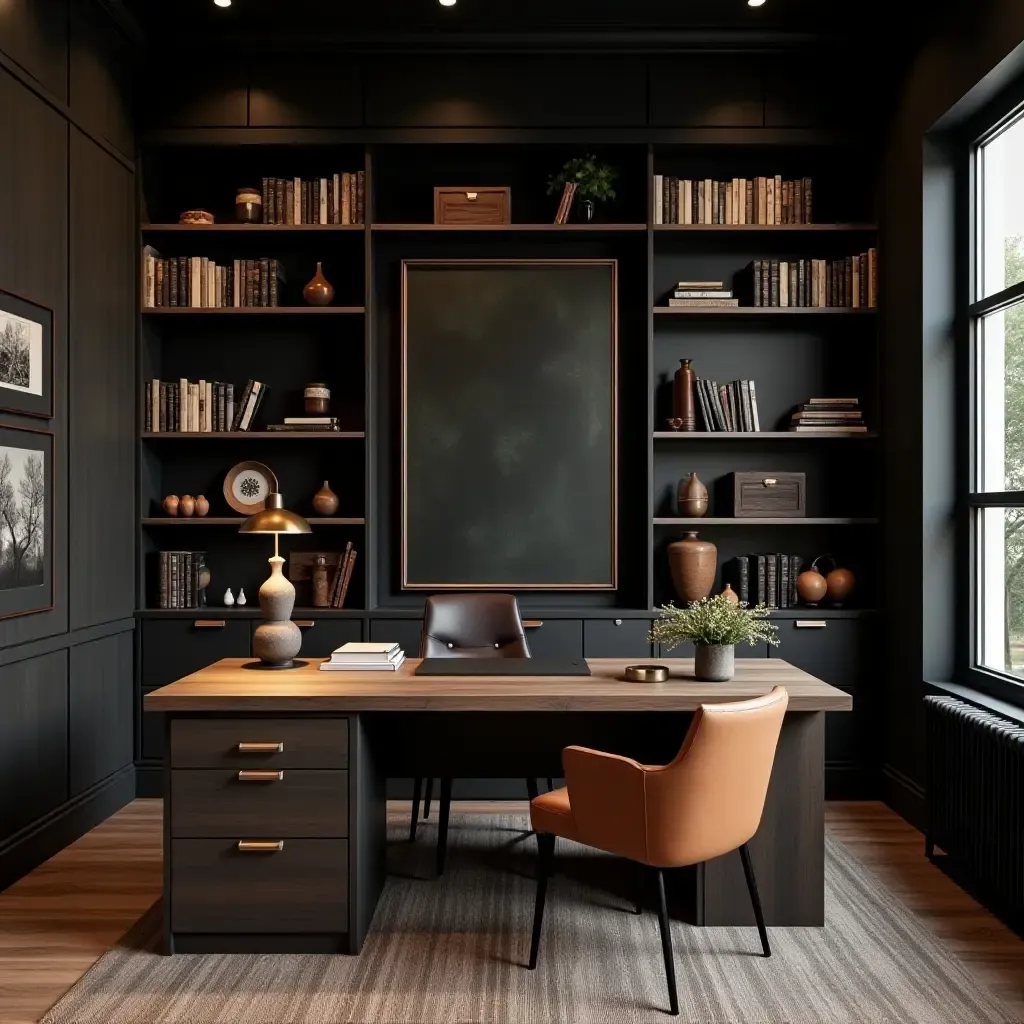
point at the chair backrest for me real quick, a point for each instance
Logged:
(473, 626)
(709, 799)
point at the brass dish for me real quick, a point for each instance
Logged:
(645, 674)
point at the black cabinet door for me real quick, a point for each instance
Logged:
(172, 648)
(405, 632)
(322, 636)
(554, 638)
(616, 638)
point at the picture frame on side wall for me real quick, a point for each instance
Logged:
(26, 356)
(26, 521)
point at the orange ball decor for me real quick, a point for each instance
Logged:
(811, 586)
(840, 584)
(835, 586)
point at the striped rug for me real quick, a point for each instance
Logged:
(452, 952)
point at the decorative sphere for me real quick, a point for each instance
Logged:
(839, 584)
(811, 586)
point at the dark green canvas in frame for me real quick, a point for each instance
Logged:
(509, 424)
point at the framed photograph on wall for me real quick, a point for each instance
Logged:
(26, 356)
(26, 521)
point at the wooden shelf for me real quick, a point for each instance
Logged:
(252, 310)
(758, 435)
(761, 311)
(213, 229)
(263, 435)
(785, 228)
(238, 520)
(484, 228)
(764, 521)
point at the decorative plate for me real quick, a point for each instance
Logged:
(247, 485)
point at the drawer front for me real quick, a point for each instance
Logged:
(303, 743)
(616, 638)
(288, 803)
(769, 494)
(554, 638)
(405, 632)
(322, 636)
(303, 887)
(172, 648)
(471, 206)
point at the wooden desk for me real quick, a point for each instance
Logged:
(300, 758)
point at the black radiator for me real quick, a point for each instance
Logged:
(975, 798)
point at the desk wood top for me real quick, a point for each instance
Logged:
(226, 686)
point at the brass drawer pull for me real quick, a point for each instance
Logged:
(304, 623)
(261, 748)
(532, 623)
(209, 623)
(256, 775)
(260, 845)
(769, 481)
(810, 624)
(472, 196)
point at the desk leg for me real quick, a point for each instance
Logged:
(788, 852)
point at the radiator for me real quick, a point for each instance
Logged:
(975, 798)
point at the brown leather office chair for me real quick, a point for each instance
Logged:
(466, 626)
(707, 802)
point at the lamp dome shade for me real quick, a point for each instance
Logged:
(275, 518)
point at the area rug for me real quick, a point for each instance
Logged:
(451, 951)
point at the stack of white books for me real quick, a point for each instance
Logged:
(355, 657)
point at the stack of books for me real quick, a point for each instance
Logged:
(687, 294)
(729, 408)
(828, 416)
(356, 657)
(763, 200)
(302, 423)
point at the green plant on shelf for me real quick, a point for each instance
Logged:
(593, 179)
(713, 621)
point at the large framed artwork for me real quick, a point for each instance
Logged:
(509, 424)
(26, 356)
(26, 521)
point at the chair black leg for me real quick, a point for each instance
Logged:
(666, 945)
(748, 870)
(531, 788)
(442, 823)
(544, 870)
(641, 878)
(417, 786)
(428, 798)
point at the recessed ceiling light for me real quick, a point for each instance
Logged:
(755, 3)
(446, 3)
(227, 3)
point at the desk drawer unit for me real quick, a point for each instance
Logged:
(259, 885)
(259, 743)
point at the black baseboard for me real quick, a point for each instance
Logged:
(904, 796)
(39, 841)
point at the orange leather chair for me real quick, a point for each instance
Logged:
(707, 802)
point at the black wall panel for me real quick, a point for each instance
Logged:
(34, 33)
(216, 95)
(311, 92)
(100, 710)
(706, 91)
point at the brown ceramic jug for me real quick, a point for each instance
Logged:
(693, 563)
(692, 497)
(319, 291)
(325, 501)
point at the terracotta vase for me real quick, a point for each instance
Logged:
(319, 291)
(187, 505)
(325, 501)
(811, 586)
(692, 497)
(693, 563)
(683, 405)
(730, 595)
(202, 506)
(171, 503)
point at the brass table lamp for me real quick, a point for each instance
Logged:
(277, 639)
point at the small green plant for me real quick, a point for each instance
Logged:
(593, 179)
(714, 621)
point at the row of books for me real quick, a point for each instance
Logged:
(179, 578)
(851, 282)
(339, 199)
(202, 407)
(828, 415)
(730, 407)
(762, 200)
(768, 579)
(365, 657)
(200, 283)
(342, 577)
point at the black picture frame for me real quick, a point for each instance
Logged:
(12, 397)
(31, 597)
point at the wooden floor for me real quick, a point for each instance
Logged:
(59, 919)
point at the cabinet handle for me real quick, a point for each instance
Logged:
(532, 623)
(261, 748)
(209, 623)
(304, 623)
(256, 775)
(260, 845)
(810, 624)
(471, 196)
(618, 622)
(769, 481)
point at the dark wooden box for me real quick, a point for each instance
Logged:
(487, 204)
(767, 495)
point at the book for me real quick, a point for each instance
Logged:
(371, 666)
(702, 303)
(366, 652)
(310, 420)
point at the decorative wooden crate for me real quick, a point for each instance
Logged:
(487, 204)
(767, 495)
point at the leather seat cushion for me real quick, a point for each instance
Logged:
(550, 812)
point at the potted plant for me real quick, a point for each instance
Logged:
(592, 178)
(714, 625)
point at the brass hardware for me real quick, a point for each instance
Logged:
(255, 775)
(260, 845)
(261, 748)
(472, 196)
(209, 623)
(304, 623)
(769, 481)
(645, 674)
(532, 623)
(810, 624)
(618, 622)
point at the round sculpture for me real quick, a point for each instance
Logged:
(171, 503)
(839, 585)
(693, 563)
(187, 505)
(277, 639)
(202, 506)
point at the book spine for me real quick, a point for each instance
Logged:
(741, 576)
(784, 588)
(348, 578)
(795, 567)
(273, 272)
(772, 580)
(163, 600)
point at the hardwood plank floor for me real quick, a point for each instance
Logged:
(57, 921)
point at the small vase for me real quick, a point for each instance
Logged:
(585, 211)
(187, 505)
(202, 506)
(171, 503)
(319, 291)
(714, 663)
(325, 501)
(692, 497)
(693, 563)
(730, 595)
(229, 598)
(277, 639)
(683, 406)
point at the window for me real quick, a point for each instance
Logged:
(996, 320)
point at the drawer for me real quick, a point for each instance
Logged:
(404, 632)
(288, 803)
(172, 648)
(768, 494)
(474, 205)
(616, 638)
(554, 638)
(322, 636)
(302, 887)
(303, 742)
(835, 650)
